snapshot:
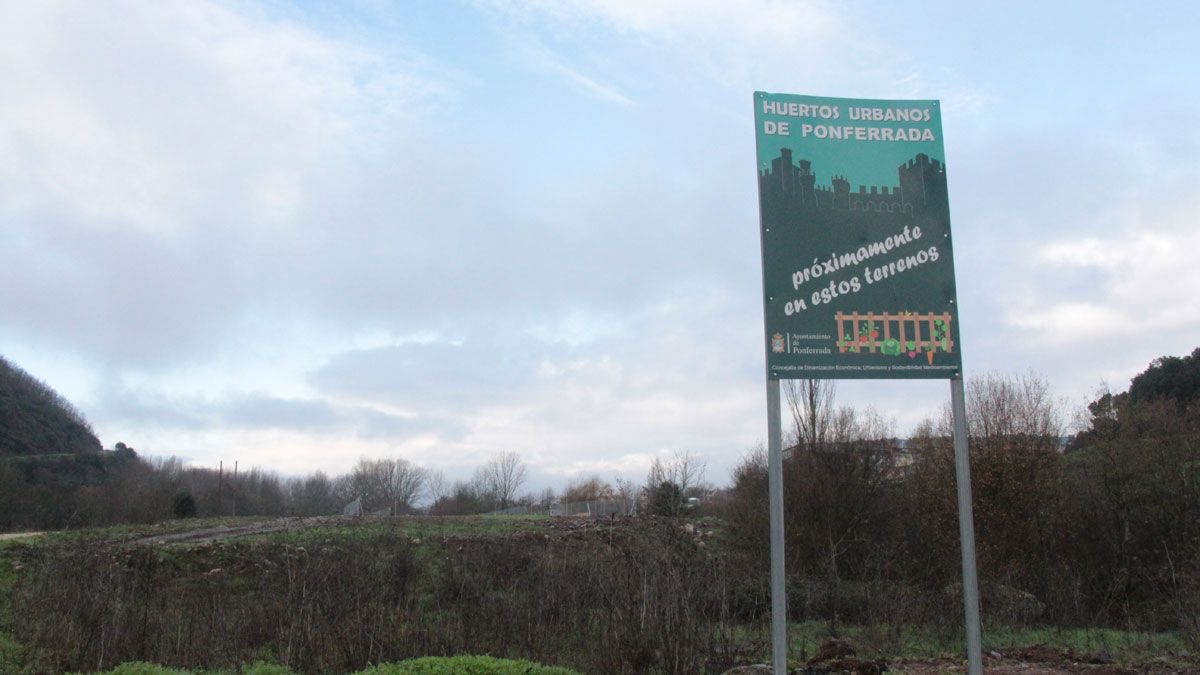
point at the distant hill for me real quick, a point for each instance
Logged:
(36, 420)
(1169, 377)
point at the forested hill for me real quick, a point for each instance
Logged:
(36, 420)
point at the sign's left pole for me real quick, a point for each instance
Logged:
(779, 642)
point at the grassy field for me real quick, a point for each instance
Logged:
(923, 643)
(450, 665)
(337, 595)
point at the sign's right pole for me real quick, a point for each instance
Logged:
(966, 526)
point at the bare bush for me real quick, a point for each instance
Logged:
(613, 600)
(810, 403)
(587, 489)
(501, 477)
(312, 495)
(392, 484)
(463, 498)
(671, 481)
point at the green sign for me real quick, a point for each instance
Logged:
(857, 263)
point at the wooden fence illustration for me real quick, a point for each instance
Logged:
(892, 333)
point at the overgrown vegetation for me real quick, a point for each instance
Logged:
(1104, 531)
(628, 595)
(430, 665)
(597, 596)
(913, 642)
(464, 665)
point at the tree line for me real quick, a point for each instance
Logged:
(129, 488)
(55, 474)
(54, 491)
(1099, 527)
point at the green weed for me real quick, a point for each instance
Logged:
(926, 642)
(463, 665)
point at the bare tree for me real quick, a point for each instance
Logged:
(682, 468)
(587, 489)
(626, 491)
(842, 425)
(687, 470)
(810, 403)
(312, 495)
(391, 483)
(1010, 407)
(343, 489)
(669, 480)
(502, 476)
(871, 425)
(436, 486)
(657, 474)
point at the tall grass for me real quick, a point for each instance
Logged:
(623, 600)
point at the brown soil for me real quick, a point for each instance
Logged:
(835, 656)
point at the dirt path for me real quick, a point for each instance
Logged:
(19, 535)
(211, 534)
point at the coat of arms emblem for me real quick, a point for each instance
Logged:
(777, 345)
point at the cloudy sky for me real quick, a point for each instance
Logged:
(295, 234)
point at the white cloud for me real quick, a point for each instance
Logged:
(157, 161)
(596, 89)
(769, 44)
(136, 114)
(1130, 252)
(293, 241)
(1070, 322)
(1146, 284)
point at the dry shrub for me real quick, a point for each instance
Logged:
(605, 600)
(630, 601)
(1105, 532)
(320, 607)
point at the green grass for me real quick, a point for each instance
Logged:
(142, 668)
(464, 665)
(429, 665)
(421, 528)
(920, 642)
(1122, 646)
(416, 527)
(12, 654)
(124, 533)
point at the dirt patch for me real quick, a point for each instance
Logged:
(835, 656)
(222, 533)
(19, 535)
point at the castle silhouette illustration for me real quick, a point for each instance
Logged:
(921, 189)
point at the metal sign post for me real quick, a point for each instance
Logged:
(966, 527)
(779, 641)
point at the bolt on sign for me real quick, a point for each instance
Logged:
(857, 263)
